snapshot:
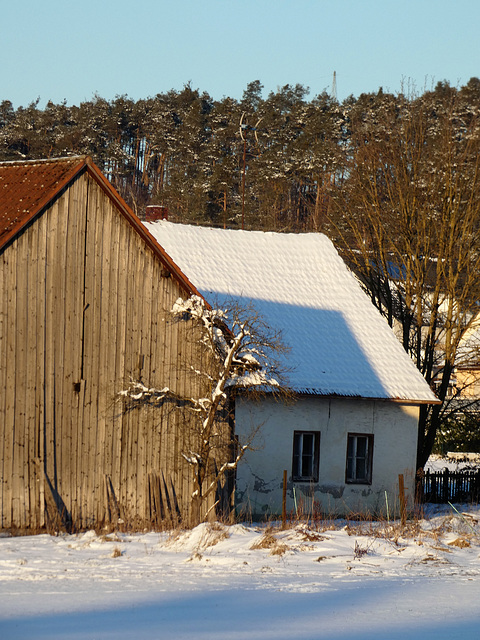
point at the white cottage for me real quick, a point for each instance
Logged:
(353, 427)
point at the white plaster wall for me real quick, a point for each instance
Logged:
(260, 473)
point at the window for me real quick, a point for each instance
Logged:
(306, 454)
(359, 458)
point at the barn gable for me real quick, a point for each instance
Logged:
(27, 188)
(86, 295)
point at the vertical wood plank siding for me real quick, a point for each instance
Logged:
(84, 309)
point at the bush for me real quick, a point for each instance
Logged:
(461, 433)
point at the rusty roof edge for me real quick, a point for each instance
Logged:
(303, 392)
(143, 232)
(48, 198)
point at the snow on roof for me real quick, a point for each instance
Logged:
(339, 343)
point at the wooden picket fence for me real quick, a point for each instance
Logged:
(450, 486)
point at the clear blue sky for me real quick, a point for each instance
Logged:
(57, 49)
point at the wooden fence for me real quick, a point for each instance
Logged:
(451, 486)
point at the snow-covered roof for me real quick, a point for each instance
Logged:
(339, 343)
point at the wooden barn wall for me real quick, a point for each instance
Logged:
(85, 309)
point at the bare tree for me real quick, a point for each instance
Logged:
(409, 224)
(239, 352)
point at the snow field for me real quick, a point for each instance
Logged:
(248, 582)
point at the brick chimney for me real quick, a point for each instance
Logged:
(154, 212)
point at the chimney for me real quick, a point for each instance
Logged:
(154, 212)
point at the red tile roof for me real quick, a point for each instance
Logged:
(27, 187)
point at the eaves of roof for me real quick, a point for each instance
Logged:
(317, 393)
(407, 401)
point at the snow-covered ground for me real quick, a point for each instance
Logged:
(335, 581)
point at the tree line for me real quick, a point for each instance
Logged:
(393, 179)
(273, 163)
(252, 162)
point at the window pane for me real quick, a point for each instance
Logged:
(361, 470)
(350, 469)
(361, 446)
(297, 443)
(359, 462)
(307, 465)
(307, 441)
(351, 447)
(305, 455)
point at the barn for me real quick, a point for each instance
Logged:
(86, 295)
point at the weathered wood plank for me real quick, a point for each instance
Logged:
(21, 375)
(4, 426)
(97, 390)
(91, 343)
(41, 304)
(72, 302)
(147, 431)
(126, 492)
(73, 327)
(60, 346)
(121, 378)
(138, 443)
(156, 373)
(11, 474)
(77, 203)
(113, 422)
(31, 468)
(50, 401)
(105, 391)
(18, 468)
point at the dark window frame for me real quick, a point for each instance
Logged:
(298, 452)
(359, 465)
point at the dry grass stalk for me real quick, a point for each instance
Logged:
(269, 541)
(461, 543)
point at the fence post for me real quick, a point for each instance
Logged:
(403, 505)
(284, 500)
(445, 488)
